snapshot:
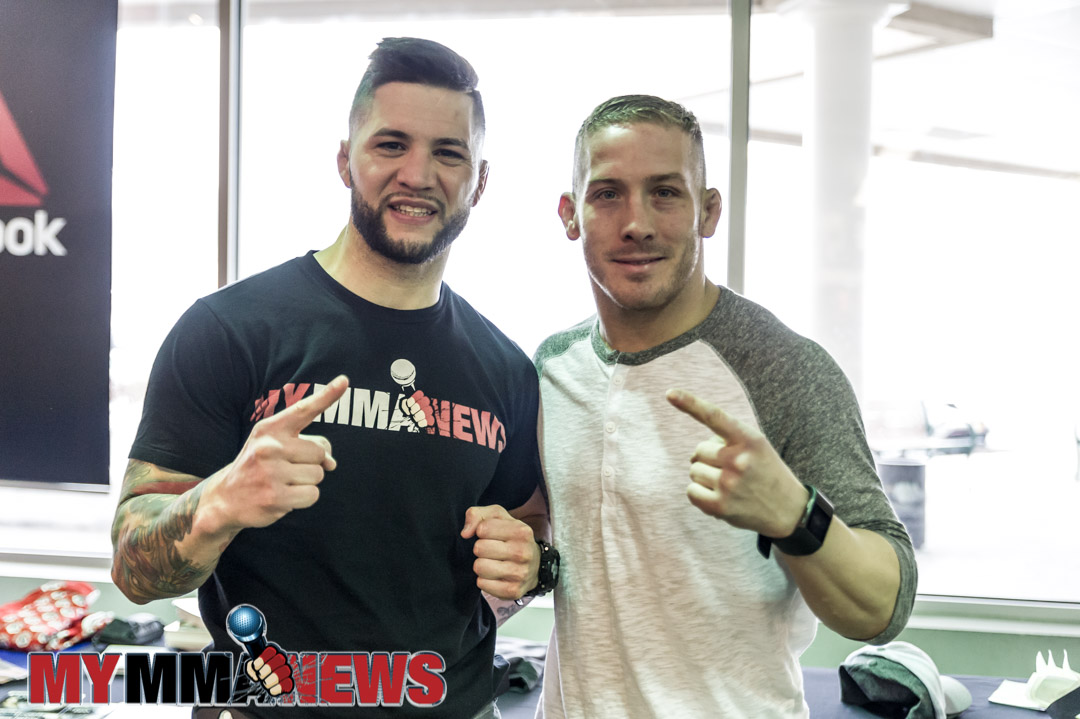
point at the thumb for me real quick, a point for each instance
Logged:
(472, 520)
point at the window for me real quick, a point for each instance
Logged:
(963, 300)
(966, 294)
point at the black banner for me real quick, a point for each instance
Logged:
(57, 69)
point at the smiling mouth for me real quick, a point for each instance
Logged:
(412, 210)
(638, 262)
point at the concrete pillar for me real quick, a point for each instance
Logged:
(837, 146)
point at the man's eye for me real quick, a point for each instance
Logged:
(391, 146)
(666, 193)
(606, 195)
(450, 154)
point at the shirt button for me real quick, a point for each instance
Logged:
(608, 471)
(609, 427)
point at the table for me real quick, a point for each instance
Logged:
(822, 686)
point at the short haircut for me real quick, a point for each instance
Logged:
(627, 110)
(415, 60)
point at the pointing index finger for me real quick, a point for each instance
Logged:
(707, 414)
(304, 412)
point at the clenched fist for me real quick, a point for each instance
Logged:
(417, 407)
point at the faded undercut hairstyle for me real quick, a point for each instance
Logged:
(628, 110)
(415, 60)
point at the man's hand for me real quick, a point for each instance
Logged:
(507, 558)
(277, 470)
(417, 407)
(737, 474)
(271, 669)
(851, 583)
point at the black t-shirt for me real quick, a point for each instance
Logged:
(378, 563)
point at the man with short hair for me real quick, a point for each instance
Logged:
(699, 608)
(431, 435)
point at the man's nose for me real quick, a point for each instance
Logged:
(638, 221)
(417, 171)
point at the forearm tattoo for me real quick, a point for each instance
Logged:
(150, 522)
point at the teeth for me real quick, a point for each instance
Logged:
(413, 211)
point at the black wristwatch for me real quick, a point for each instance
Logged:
(809, 535)
(547, 577)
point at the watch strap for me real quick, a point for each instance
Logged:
(547, 577)
(809, 534)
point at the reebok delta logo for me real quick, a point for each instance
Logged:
(22, 185)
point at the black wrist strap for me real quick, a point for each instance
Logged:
(548, 573)
(810, 533)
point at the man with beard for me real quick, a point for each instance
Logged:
(431, 434)
(695, 599)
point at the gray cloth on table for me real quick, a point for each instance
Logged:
(1067, 707)
(526, 663)
(885, 687)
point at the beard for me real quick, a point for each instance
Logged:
(369, 223)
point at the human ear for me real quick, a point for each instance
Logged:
(568, 215)
(711, 207)
(481, 182)
(343, 163)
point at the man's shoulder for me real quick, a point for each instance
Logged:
(560, 342)
(741, 321)
(765, 352)
(479, 329)
(264, 284)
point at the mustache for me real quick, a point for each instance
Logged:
(399, 196)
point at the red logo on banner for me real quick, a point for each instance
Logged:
(21, 183)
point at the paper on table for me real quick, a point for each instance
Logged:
(1048, 684)
(1015, 694)
(187, 611)
(11, 672)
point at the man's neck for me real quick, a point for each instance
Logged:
(366, 273)
(640, 330)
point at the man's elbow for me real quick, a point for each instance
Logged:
(122, 579)
(872, 627)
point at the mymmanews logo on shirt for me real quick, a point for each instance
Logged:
(407, 410)
(22, 186)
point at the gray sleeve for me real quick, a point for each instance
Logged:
(560, 342)
(821, 437)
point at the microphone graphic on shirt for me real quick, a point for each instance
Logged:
(404, 373)
(247, 626)
(414, 404)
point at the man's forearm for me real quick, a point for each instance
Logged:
(157, 552)
(851, 583)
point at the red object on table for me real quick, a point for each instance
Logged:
(52, 617)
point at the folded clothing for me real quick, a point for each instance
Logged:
(138, 629)
(522, 663)
(900, 681)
